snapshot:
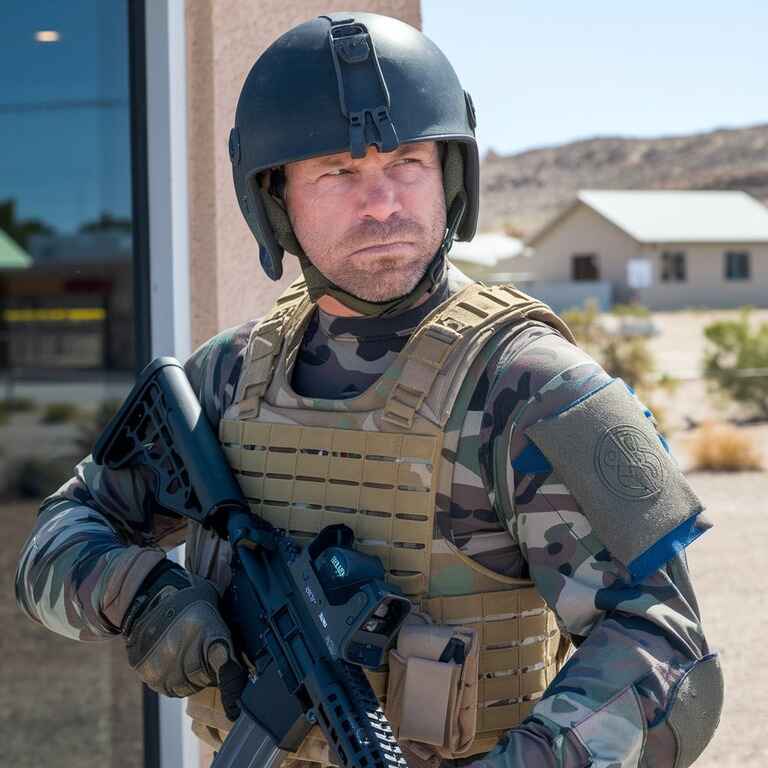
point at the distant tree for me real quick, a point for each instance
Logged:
(628, 358)
(19, 230)
(107, 223)
(736, 363)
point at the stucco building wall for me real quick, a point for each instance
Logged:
(582, 231)
(224, 38)
(705, 284)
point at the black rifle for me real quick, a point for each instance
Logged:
(305, 619)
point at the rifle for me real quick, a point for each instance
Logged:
(305, 619)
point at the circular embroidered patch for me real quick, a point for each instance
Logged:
(628, 463)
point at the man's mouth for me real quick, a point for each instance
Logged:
(382, 248)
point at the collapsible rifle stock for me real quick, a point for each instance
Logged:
(305, 619)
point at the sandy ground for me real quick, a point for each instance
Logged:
(64, 704)
(727, 563)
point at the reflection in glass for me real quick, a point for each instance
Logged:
(66, 348)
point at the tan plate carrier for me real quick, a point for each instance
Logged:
(379, 463)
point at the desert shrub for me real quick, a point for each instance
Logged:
(724, 448)
(60, 413)
(630, 310)
(668, 383)
(20, 404)
(35, 478)
(629, 358)
(12, 405)
(737, 349)
(584, 324)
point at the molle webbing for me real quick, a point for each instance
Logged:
(478, 310)
(376, 462)
(264, 346)
(519, 642)
(379, 484)
(520, 654)
(434, 360)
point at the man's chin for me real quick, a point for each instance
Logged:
(381, 290)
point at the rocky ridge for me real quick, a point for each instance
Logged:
(521, 192)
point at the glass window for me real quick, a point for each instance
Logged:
(673, 268)
(737, 266)
(66, 348)
(584, 266)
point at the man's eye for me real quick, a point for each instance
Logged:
(338, 172)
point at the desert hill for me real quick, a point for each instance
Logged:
(521, 192)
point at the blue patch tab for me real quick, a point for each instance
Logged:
(665, 549)
(531, 461)
(580, 400)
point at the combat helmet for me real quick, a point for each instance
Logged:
(342, 83)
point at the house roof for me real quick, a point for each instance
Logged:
(487, 249)
(666, 216)
(12, 256)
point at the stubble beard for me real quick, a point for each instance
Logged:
(382, 278)
(385, 277)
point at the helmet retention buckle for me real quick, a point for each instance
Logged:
(358, 75)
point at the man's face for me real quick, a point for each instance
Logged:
(370, 225)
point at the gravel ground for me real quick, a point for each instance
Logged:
(727, 565)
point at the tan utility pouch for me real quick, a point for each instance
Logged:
(430, 701)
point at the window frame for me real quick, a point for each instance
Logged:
(673, 267)
(595, 259)
(729, 264)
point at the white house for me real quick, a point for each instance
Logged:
(667, 249)
(493, 257)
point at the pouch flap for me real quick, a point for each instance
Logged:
(424, 640)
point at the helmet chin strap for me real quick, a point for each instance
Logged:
(319, 285)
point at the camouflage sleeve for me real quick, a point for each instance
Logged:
(99, 535)
(616, 702)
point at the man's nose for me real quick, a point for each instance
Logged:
(380, 198)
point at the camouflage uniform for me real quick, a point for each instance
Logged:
(99, 535)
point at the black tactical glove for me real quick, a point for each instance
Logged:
(176, 639)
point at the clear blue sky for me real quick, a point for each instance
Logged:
(550, 72)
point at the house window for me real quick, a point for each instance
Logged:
(673, 267)
(584, 266)
(737, 265)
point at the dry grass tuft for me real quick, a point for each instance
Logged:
(720, 447)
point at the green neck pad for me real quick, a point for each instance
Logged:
(318, 285)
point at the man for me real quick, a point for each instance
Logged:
(509, 485)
